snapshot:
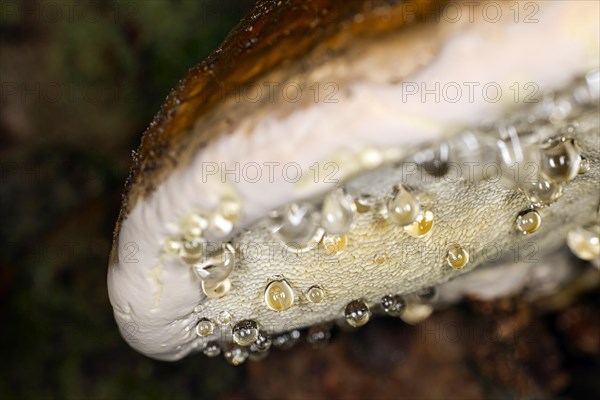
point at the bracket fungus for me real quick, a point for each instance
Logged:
(340, 160)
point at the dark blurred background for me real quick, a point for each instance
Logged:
(80, 82)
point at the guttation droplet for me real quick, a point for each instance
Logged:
(262, 343)
(584, 242)
(541, 192)
(584, 164)
(337, 213)
(357, 313)
(224, 318)
(529, 222)
(393, 305)
(192, 226)
(402, 207)
(218, 265)
(205, 328)
(560, 161)
(212, 349)
(421, 226)
(287, 340)
(297, 224)
(457, 256)
(319, 335)
(334, 243)
(279, 295)
(236, 355)
(315, 294)
(216, 290)
(245, 332)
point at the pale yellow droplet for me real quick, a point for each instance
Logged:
(216, 290)
(173, 246)
(529, 222)
(379, 259)
(315, 294)
(585, 242)
(402, 207)
(422, 225)
(279, 295)
(334, 243)
(205, 328)
(584, 165)
(415, 313)
(193, 225)
(224, 318)
(457, 256)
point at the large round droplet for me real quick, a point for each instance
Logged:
(173, 246)
(560, 161)
(245, 332)
(205, 328)
(585, 242)
(296, 225)
(528, 222)
(334, 243)
(217, 266)
(315, 294)
(541, 192)
(393, 305)
(279, 295)
(402, 207)
(223, 218)
(421, 226)
(337, 213)
(262, 343)
(212, 349)
(216, 290)
(457, 256)
(236, 355)
(357, 313)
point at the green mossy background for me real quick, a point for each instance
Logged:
(80, 82)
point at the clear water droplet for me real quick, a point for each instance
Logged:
(212, 349)
(262, 343)
(402, 207)
(541, 192)
(337, 213)
(224, 318)
(279, 295)
(365, 202)
(357, 313)
(393, 305)
(584, 242)
(205, 328)
(560, 161)
(287, 340)
(319, 335)
(422, 226)
(217, 266)
(457, 257)
(296, 225)
(528, 222)
(245, 332)
(235, 355)
(315, 294)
